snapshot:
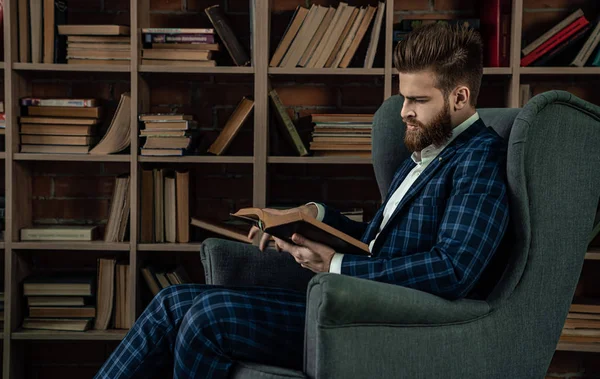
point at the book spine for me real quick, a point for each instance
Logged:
(79, 103)
(60, 41)
(588, 48)
(596, 61)
(217, 18)
(178, 31)
(166, 38)
(554, 41)
(560, 48)
(289, 127)
(54, 235)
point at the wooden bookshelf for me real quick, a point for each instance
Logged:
(18, 199)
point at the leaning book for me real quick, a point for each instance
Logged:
(285, 225)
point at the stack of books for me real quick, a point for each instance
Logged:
(583, 322)
(168, 134)
(97, 44)
(165, 201)
(547, 49)
(329, 37)
(159, 279)
(342, 135)
(59, 301)
(59, 125)
(179, 46)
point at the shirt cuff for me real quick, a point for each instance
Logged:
(320, 210)
(335, 266)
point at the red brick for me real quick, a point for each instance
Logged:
(116, 5)
(70, 168)
(48, 89)
(449, 5)
(200, 5)
(41, 186)
(166, 5)
(187, 20)
(76, 209)
(220, 95)
(85, 5)
(237, 6)
(213, 208)
(173, 93)
(362, 96)
(224, 188)
(100, 18)
(307, 96)
(97, 90)
(295, 189)
(412, 5)
(537, 23)
(550, 4)
(84, 187)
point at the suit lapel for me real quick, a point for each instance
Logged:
(441, 160)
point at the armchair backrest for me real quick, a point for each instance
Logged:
(554, 187)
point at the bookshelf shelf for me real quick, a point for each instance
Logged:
(2, 155)
(197, 159)
(320, 160)
(71, 157)
(559, 70)
(63, 245)
(198, 70)
(325, 71)
(582, 347)
(192, 247)
(70, 67)
(106, 335)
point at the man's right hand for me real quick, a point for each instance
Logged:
(309, 209)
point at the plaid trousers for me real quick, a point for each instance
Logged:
(202, 329)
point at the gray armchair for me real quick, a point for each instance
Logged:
(362, 329)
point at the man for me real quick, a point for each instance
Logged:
(441, 222)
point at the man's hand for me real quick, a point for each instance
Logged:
(310, 210)
(311, 255)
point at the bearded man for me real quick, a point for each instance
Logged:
(441, 222)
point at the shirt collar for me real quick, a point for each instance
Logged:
(430, 152)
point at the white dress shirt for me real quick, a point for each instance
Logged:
(422, 159)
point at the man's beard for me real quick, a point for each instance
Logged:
(436, 133)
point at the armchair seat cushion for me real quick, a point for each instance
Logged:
(249, 370)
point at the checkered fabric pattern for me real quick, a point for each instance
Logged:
(201, 329)
(448, 225)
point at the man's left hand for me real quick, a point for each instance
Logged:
(310, 254)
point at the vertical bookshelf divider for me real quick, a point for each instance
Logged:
(515, 54)
(260, 65)
(389, 49)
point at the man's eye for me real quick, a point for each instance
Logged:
(420, 101)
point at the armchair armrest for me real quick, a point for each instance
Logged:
(238, 264)
(340, 300)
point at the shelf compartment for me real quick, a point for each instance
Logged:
(197, 159)
(107, 335)
(72, 157)
(71, 67)
(75, 245)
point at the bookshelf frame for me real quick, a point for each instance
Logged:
(18, 184)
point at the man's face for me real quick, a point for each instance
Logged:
(426, 111)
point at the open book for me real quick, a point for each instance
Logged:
(285, 225)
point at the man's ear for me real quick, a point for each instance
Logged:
(461, 97)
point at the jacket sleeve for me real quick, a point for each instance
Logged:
(337, 220)
(473, 224)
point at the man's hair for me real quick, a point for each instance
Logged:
(452, 52)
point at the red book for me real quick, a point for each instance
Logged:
(495, 31)
(555, 41)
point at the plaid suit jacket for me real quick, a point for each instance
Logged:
(448, 225)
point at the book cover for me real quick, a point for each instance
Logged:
(284, 225)
(223, 27)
